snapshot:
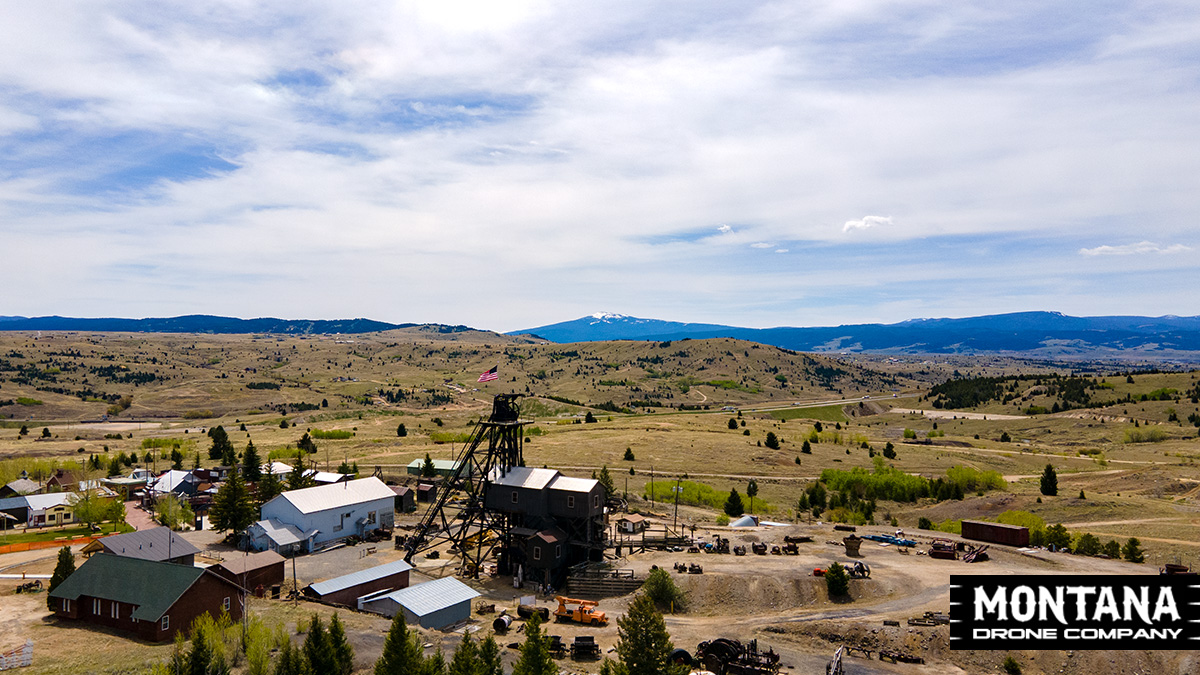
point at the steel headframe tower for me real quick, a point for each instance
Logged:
(459, 514)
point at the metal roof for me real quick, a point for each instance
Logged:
(158, 543)
(281, 533)
(338, 495)
(356, 578)
(248, 563)
(438, 464)
(171, 479)
(523, 477)
(40, 502)
(429, 597)
(573, 484)
(24, 486)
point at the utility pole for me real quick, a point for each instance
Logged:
(675, 523)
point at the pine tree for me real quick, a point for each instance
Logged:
(306, 444)
(343, 652)
(733, 423)
(268, 488)
(466, 658)
(401, 430)
(772, 441)
(427, 468)
(733, 505)
(62, 570)
(401, 651)
(317, 650)
(837, 582)
(297, 479)
(1049, 485)
(489, 657)
(200, 655)
(220, 443)
(752, 492)
(644, 646)
(291, 661)
(607, 482)
(1132, 551)
(232, 509)
(535, 656)
(251, 463)
(434, 665)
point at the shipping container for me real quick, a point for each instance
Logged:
(995, 533)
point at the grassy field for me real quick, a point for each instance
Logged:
(353, 394)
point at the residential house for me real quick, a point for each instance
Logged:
(145, 598)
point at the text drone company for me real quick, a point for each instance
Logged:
(1056, 612)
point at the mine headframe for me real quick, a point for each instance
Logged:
(458, 514)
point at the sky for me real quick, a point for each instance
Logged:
(506, 165)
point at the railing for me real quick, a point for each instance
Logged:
(17, 658)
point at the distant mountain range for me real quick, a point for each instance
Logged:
(1047, 334)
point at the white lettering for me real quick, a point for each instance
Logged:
(1166, 604)
(1081, 593)
(1053, 603)
(994, 605)
(1106, 604)
(1140, 604)
(1023, 594)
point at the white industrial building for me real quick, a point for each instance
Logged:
(327, 513)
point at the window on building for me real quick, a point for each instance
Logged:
(66, 604)
(558, 551)
(370, 517)
(596, 501)
(96, 606)
(514, 496)
(225, 605)
(166, 622)
(571, 501)
(537, 552)
(116, 610)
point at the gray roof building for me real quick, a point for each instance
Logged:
(159, 544)
(433, 604)
(344, 590)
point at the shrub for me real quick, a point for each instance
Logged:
(333, 434)
(1011, 666)
(661, 588)
(924, 523)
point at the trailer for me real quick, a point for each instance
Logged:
(995, 533)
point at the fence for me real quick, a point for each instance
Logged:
(54, 543)
(17, 658)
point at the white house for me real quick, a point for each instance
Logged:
(332, 512)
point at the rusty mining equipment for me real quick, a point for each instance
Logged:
(724, 656)
(534, 522)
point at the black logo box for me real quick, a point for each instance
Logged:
(1118, 612)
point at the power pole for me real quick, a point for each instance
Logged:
(675, 522)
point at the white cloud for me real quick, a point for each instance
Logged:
(1140, 248)
(725, 229)
(761, 244)
(781, 250)
(866, 222)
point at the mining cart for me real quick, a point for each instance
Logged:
(730, 657)
(585, 647)
(759, 548)
(584, 612)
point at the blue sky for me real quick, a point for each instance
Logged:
(507, 165)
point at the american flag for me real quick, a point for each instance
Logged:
(490, 375)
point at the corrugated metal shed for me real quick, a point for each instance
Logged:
(338, 495)
(358, 578)
(523, 477)
(433, 604)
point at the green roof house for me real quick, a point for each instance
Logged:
(145, 598)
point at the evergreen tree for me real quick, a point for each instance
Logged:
(466, 658)
(306, 444)
(535, 655)
(297, 479)
(317, 648)
(752, 492)
(837, 582)
(1049, 483)
(291, 661)
(251, 463)
(806, 447)
(268, 488)
(220, 443)
(427, 468)
(401, 430)
(489, 657)
(435, 664)
(1112, 549)
(1132, 551)
(772, 441)
(200, 655)
(607, 482)
(62, 570)
(644, 646)
(176, 459)
(114, 467)
(733, 505)
(733, 423)
(232, 509)
(401, 651)
(343, 653)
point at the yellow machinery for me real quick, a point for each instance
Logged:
(584, 612)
